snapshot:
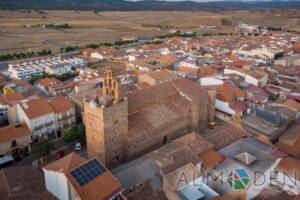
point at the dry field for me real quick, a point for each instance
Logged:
(89, 27)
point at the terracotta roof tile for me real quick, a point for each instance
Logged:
(11, 98)
(290, 141)
(180, 151)
(290, 166)
(211, 158)
(102, 187)
(12, 132)
(293, 104)
(39, 107)
(46, 82)
(66, 164)
(160, 74)
(36, 108)
(224, 135)
(60, 104)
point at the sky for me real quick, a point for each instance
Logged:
(205, 0)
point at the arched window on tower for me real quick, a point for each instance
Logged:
(165, 140)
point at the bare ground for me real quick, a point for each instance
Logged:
(89, 27)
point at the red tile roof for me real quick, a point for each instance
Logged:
(102, 187)
(13, 132)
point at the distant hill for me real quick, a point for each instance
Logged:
(103, 5)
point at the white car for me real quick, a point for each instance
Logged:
(78, 146)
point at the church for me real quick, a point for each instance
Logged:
(121, 128)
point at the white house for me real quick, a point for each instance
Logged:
(229, 98)
(255, 77)
(75, 178)
(210, 81)
(38, 66)
(263, 54)
(46, 117)
(103, 53)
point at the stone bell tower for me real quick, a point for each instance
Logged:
(106, 122)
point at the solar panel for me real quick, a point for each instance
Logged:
(87, 172)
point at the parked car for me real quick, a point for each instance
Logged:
(78, 146)
(60, 154)
(5, 160)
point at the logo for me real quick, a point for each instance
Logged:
(238, 178)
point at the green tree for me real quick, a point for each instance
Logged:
(42, 148)
(93, 46)
(73, 134)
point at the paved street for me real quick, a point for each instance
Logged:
(59, 146)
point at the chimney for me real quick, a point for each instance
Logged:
(211, 108)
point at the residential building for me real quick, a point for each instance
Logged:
(153, 63)
(54, 87)
(25, 182)
(160, 163)
(15, 140)
(44, 83)
(256, 94)
(129, 38)
(288, 61)
(263, 55)
(38, 66)
(250, 159)
(188, 188)
(20, 86)
(103, 53)
(289, 142)
(255, 77)
(267, 120)
(9, 99)
(288, 175)
(157, 77)
(58, 69)
(75, 178)
(181, 151)
(46, 117)
(223, 135)
(229, 98)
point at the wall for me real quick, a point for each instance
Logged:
(232, 71)
(32, 123)
(147, 142)
(224, 107)
(21, 143)
(106, 129)
(12, 114)
(252, 80)
(210, 81)
(57, 184)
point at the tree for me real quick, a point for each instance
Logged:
(93, 46)
(226, 22)
(42, 148)
(274, 97)
(73, 134)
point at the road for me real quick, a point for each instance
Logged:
(59, 145)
